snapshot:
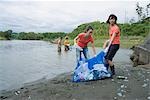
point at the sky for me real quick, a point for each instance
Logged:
(62, 16)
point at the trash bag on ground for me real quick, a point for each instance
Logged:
(91, 69)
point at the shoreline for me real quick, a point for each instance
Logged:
(136, 86)
(125, 42)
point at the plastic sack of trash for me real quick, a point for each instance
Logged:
(92, 69)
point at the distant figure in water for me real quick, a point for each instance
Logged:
(66, 43)
(59, 44)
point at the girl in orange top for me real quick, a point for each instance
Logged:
(82, 41)
(114, 43)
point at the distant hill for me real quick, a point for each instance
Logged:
(141, 28)
(99, 29)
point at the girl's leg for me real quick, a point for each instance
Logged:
(68, 48)
(110, 55)
(112, 68)
(110, 63)
(106, 64)
(85, 53)
(78, 55)
(59, 49)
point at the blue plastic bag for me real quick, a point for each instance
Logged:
(91, 69)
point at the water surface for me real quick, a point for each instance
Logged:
(26, 61)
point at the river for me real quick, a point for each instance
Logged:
(25, 61)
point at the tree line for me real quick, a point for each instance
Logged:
(9, 35)
(141, 28)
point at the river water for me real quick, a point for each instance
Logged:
(27, 61)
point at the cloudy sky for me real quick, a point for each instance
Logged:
(64, 16)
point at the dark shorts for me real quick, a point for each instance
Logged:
(66, 48)
(112, 51)
(59, 49)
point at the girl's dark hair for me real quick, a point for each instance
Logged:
(88, 28)
(111, 16)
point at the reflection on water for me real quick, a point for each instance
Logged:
(25, 61)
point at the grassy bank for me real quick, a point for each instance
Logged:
(126, 42)
(2, 38)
